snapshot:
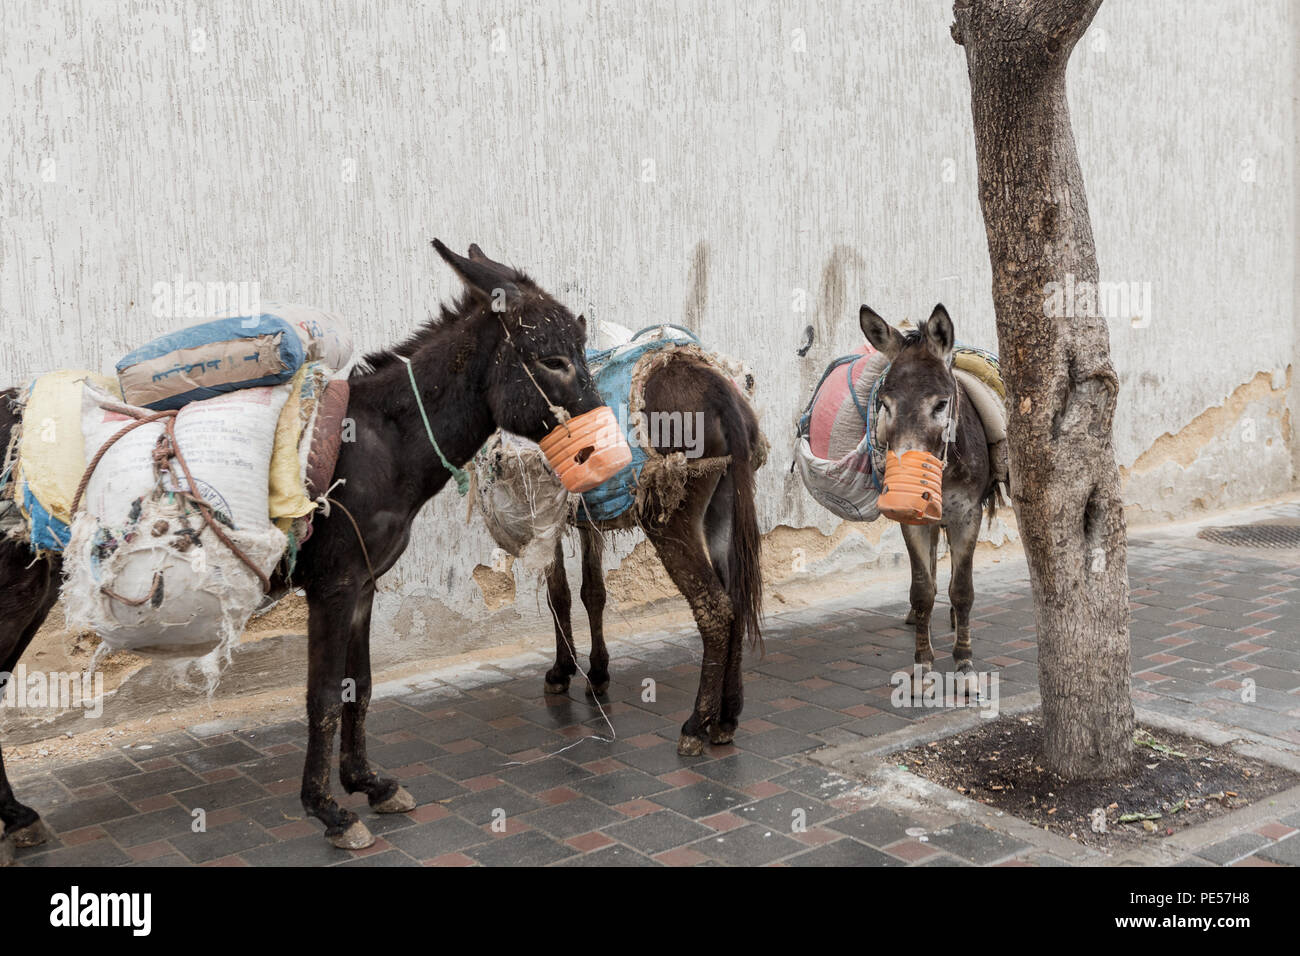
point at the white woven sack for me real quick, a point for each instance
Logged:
(843, 487)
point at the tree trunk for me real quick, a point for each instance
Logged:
(1055, 355)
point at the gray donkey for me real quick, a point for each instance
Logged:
(916, 397)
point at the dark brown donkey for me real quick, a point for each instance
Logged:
(506, 355)
(918, 394)
(709, 546)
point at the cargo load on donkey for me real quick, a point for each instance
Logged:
(837, 453)
(524, 492)
(175, 491)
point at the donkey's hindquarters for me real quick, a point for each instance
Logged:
(705, 533)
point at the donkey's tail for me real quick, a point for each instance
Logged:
(745, 580)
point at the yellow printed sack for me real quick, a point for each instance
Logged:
(52, 453)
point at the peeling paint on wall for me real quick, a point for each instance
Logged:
(1234, 452)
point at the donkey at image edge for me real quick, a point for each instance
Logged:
(916, 401)
(506, 355)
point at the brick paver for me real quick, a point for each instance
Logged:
(506, 775)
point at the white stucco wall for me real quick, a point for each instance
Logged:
(719, 163)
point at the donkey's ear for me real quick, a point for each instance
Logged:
(582, 324)
(884, 338)
(482, 280)
(939, 334)
(476, 254)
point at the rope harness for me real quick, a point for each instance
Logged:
(365, 553)
(165, 450)
(874, 403)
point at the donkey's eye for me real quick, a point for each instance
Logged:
(556, 364)
(941, 406)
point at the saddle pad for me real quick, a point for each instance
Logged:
(307, 441)
(326, 437)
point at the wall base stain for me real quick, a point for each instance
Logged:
(497, 587)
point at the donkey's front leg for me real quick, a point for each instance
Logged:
(962, 535)
(385, 794)
(560, 602)
(328, 633)
(593, 599)
(922, 542)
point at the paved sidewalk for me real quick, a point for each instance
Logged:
(473, 746)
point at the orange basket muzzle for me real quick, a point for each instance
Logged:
(913, 489)
(587, 451)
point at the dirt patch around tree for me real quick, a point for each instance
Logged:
(1176, 782)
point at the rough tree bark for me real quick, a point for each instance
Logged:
(1055, 353)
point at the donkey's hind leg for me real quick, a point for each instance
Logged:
(593, 599)
(718, 528)
(561, 604)
(680, 546)
(385, 794)
(27, 593)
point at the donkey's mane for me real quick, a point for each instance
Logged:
(448, 316)
(914, 336)
(427, 332)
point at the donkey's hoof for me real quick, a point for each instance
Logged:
(355, 837)
(34, 834)
(400, 802)
(967, 680)
(596, 688)
(557, 687)
(720, 737)
(688, 746)
(6, 851)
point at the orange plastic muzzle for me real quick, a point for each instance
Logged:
(587, 451)
(913, 489)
